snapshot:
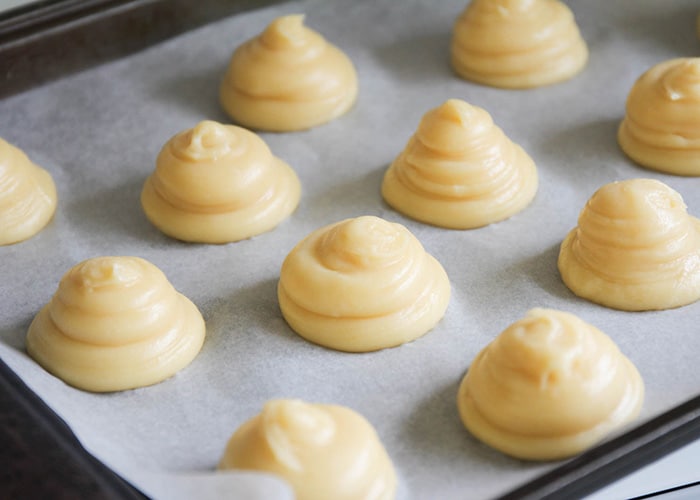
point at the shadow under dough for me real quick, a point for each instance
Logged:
(116, 209)
(417, 58)
(197, 93)
(596, 140)
(245, 312)
(434, 429)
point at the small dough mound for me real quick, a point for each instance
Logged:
(361, 285)
(323, 451)
(635, 248)
(288, 78)
(460, 171)
(115, 323)
(661, 129)
(517, 43)
(27, 196)
(218, 183)
(549, 387)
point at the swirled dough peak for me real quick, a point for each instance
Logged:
(288, 78)
(360, 285)
(635, 248)
(115, 323)
(27, 196)
(460, 171)
(661, 128)
(548, 387)
(218, 183)
(517, 43)
(323, 451)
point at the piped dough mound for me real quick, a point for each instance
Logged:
(517, 43)
(360, 285)
(218, 183)
(548, 387)
(288, 78)
(635, 248)
(322, 451)
(27, 196)
(661, 128)
(115, 323)
(460, 171)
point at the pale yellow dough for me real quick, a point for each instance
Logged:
(460, 171)
(218, 183)
(661, 129)
(288, 78)
(549, 387)
(323, 451)
(635, 248)
(517, 43)
(362, 284)
(115, 323)
(27, 196)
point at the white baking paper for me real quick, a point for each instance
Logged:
(99, 132)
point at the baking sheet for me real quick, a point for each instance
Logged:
(99, 132)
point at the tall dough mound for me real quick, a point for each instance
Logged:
(288, 78)
(635, 248)
(548, 387)
(27, 196)
(115, 323)
(360, 285)
(661, 129)
(517, 43)
(323, 451)
(460, 171)
(218, 183)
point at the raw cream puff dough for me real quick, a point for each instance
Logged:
(635, 248)
(288, 78)
(115, 323)
(360, 285)
(517, 43)
(549, 387)
(323, 451)
(27, 196)
(460, 171)
(218, 183)
(661, 128)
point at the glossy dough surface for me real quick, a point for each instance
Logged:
(27, 196)
(661, 128)
(460, 171)
(288, 78)
(115, 323)
(323, 451)
(517, 43)
(635, 248)
(360, 285)
(218, 183)
(548, 387)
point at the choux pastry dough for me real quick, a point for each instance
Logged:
(548, 387)
(460, 171)
(288, 78)
(115, 323)
(218, 183)
(661, 129)
(27, 196)
(635, 248)
(322, 451)
(361, 285)
(517, 43)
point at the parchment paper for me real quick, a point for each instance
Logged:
(99, 132)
